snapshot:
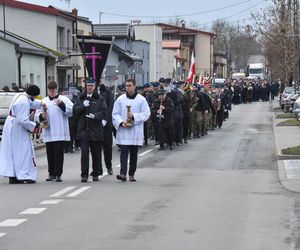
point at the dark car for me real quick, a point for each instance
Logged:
(5, 100)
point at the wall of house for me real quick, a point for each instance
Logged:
(8, 64)
(168, 63)
(203, 54)
(142, 49)
(36, 26)
(112, 60)
(153, 35)
(33, 71)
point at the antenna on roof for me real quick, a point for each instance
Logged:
(68, 2)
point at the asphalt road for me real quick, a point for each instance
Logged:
(218, 192)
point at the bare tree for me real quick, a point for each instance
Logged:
(235, 42)
(274, 28)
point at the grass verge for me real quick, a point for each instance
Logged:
(291, 151)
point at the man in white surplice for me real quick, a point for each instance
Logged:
(58, 109)
(129, 136)
(17, 159)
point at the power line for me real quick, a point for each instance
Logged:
(240, 12)
(183, 15)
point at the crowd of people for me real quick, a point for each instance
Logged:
(169, 113)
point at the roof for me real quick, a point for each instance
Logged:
(29, 46)
(171, 44)
(36, 8)
(126, 54)
(170, 28)
(118, 30)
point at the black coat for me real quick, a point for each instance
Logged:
(90, 129)
(108, 96)
(168, 112)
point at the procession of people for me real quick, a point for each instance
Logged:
(169, 113)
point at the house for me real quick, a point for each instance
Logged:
(152, 33)
(201, 42)
(51, 27)
(171, 47)
(128, 58)
(22, 63)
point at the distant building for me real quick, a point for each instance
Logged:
(126, 59)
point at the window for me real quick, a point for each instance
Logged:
(31, 78)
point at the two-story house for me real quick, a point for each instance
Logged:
(129, 58)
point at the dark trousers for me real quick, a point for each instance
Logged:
(166, 134)
(125, 150)
(95, 147)
(186, 123)
(107, 151)
(55, 157)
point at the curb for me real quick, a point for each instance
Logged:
(283, 180)
(287, 157)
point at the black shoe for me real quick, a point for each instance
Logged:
(29, 181)
(131, 178)
(156, 143)
(13, 180)
(71, 151)
(121, 177)
(161, 148)
(66, 151)
(51, 178)
(171, 147)
(110, 171)
(84, 179)
(95, 178)
(146, 143)
(58, 179)
(76, 149)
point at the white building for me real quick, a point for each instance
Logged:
(152, 33)
(46, 26)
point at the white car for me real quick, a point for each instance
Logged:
(5, 100)
(286, 94)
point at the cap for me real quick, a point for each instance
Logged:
(162, 80)
(33, 90)
(146, 85)
(90, 82)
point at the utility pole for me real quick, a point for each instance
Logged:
(296, 43)
(4, 25)
(100, 15)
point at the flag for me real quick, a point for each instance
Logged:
(192, 70)
(96, 52)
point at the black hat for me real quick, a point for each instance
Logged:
(33, 90)
(161, 80)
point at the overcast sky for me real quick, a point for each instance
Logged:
(204, 12)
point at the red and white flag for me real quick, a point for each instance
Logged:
(192, 70)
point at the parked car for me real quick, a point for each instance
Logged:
(287, 92)
(5, 100)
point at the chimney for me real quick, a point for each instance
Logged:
(74, 12)
(182, 23)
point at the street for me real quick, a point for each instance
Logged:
(217, 192)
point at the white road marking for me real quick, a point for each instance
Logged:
(61, 192)
(12, 222)
(146, 152)
(50, 202)
(2, 234)
(77, 192)
(35, 210)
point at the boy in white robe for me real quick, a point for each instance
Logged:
(59, 109)
(129, 135)
(17, 158)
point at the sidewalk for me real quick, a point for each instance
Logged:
(288, 165)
